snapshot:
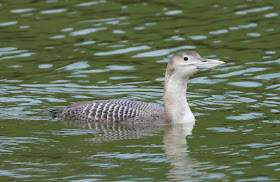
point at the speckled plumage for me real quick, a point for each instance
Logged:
(111, 111)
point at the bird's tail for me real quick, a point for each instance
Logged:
(54, 113)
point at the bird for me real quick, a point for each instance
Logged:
(180, 68)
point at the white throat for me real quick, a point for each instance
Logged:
(175, 102)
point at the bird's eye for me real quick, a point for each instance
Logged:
(186, 58)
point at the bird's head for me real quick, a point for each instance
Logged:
(187, 63)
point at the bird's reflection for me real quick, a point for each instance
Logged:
(176, 148)
(116, 131)
(174, 139)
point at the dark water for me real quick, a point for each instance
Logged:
(54, 53)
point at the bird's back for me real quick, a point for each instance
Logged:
(111, 111)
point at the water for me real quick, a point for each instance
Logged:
(54, 53)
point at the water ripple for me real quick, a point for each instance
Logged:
(248, 70)
(250, 25)
(269, 15)
(87, 31)
(254, 34)
(219, 31)
(221, 129)
(162, 52)
(77, 65)
(22, 10)
(244, 12)
(53, 11)
(122, 51)
(246, 116)
(8, 23)
(267, 76)
(198, 37)
(18, 56)
(103, 20)
(245, 84)
(90, 3)
(173, 12)
(85, 43)
(57, 37)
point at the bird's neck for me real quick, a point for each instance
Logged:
(176, 107)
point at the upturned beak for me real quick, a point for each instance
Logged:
(208, 63)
